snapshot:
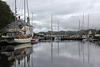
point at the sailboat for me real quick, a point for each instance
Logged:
(19, 35)
(25, 34)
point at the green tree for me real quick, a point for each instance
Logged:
(98, 32)
(6, 15)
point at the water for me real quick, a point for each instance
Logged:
(52, 54)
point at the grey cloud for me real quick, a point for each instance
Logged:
(68, 12)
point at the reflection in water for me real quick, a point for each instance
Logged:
(79, 49)
(84, 51)
(4, 61)
(17, 55)
(24, 62)
(58, 47)
(88, 48)
(51, 51)
(32, 56)
(54, 54)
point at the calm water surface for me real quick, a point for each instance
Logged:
(52, 54)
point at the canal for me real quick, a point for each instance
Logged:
(51, 54)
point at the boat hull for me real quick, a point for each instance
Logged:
(34, 41)
(22, 40)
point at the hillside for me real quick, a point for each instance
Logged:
(81, 32)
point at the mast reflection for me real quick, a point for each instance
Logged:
(84, 51)
(88, 48)
(51, 51)
(58, 47)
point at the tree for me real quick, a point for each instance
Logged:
(98, 32)
(6, 15)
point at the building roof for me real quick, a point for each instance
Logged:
(15, 25)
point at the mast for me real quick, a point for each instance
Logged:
(15, 16)
(83, 25)
(88, 22)
(83, 21)
(58, 25)
(24, 12)
(32, 17)
(79, 27)
(51, 26)
(27, 8)
(28, 19)
(32, 23)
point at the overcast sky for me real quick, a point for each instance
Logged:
(67, 12)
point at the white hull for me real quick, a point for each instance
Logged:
(22, 40)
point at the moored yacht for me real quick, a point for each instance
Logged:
(22, 32)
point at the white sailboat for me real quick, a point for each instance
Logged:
(19, 35)
(25, 34)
